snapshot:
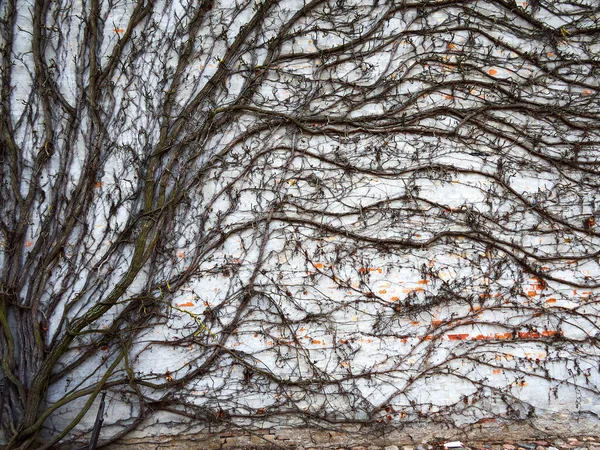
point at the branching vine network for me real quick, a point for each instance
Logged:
(308, 213)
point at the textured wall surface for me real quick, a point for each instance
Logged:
(311, 215)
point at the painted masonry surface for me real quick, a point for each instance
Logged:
(301, 213)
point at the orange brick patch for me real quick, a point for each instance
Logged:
(503, 335)
(370, 269)
(529, 335)
(458, 337)
(185, 304)
(548, 333)
(480, 337)
(538, 284)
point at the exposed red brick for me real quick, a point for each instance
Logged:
(458, 337)
(370, 269)
(538, 284)
(548, 333)
(185, 304)
(481, 337)
(529, 335)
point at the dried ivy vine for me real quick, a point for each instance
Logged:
(314, 213)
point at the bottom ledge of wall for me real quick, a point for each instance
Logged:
(555, 432)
